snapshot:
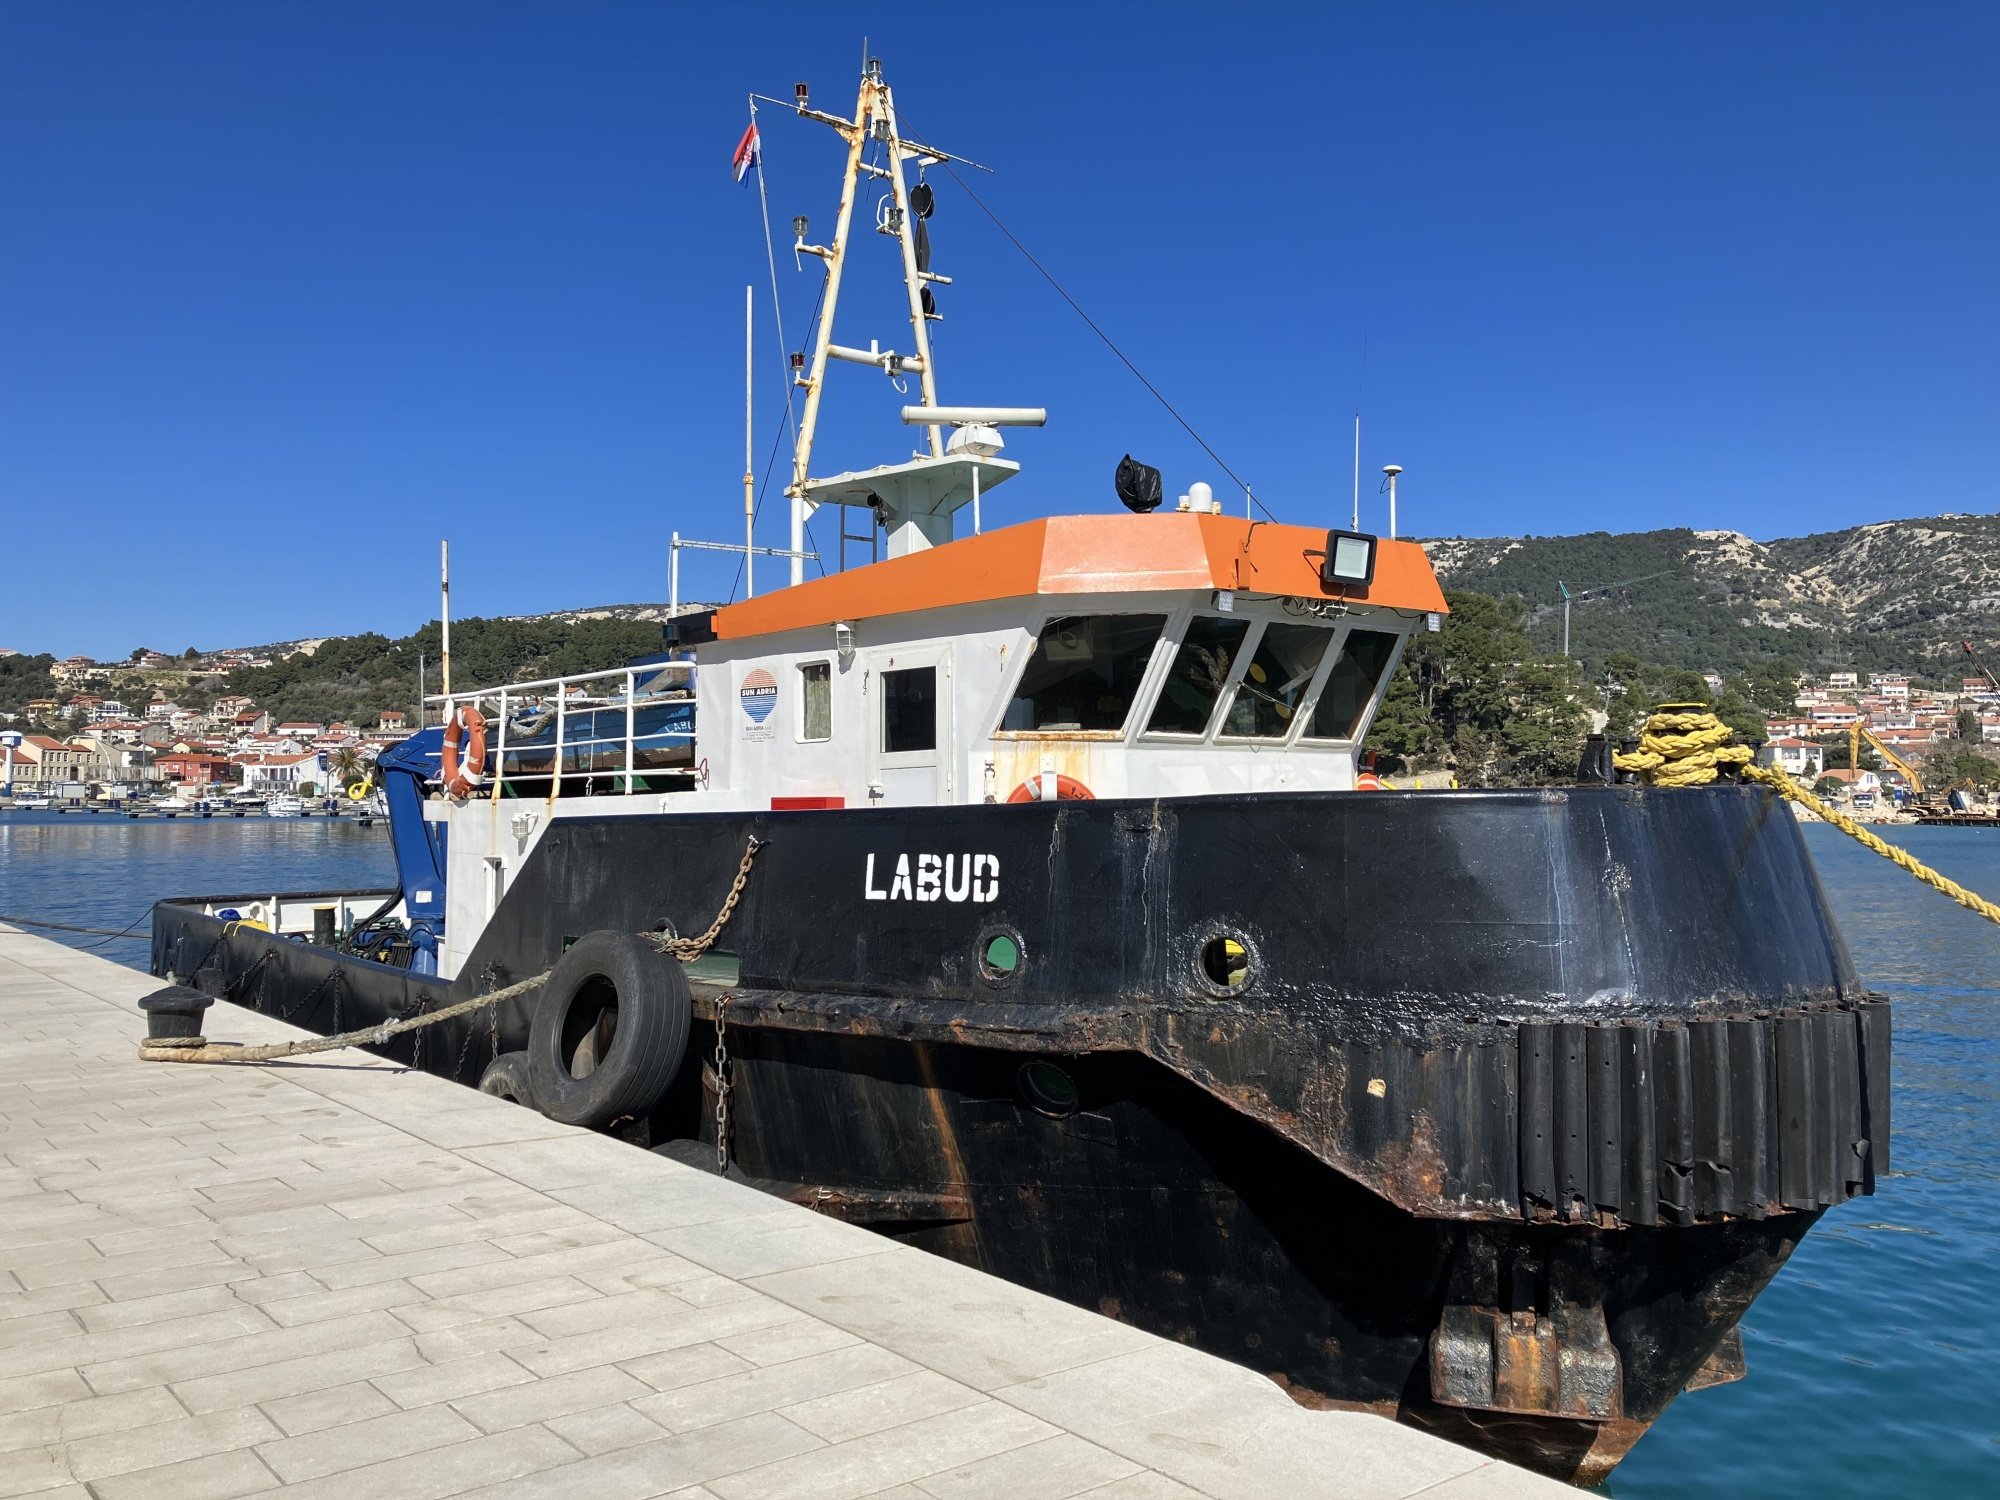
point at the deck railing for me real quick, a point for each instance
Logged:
(618, 731)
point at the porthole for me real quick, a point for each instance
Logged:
(1001, 955)
(1047, 1089)
(1225, 961)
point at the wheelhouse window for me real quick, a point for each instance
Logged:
(909, 710)
(816, 701)
(1199, 673)
(1083, 674)
(1351, 685)
(1279, 673)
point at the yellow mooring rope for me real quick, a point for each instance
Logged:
(1683, 745)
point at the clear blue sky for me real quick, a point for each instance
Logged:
(287, 291)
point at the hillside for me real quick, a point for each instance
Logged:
(1894, 594)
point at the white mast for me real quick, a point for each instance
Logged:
(444, 620)
(749, 456)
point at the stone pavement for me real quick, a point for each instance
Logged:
(342, 1278)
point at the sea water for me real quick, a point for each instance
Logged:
(1871, 1357)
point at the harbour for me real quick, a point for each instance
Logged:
(350, 1279)
(1033, 971)
(1822, 1342)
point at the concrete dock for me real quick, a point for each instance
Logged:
(342, 1278)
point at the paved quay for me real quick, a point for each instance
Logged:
(342, 1278)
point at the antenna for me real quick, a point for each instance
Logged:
(1355, 525)
(1391, 471)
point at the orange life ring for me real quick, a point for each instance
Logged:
(1368, 781)
(462, 777)
(1068, 789)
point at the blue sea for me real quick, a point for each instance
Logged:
(1871, 1355)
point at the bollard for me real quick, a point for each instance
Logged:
(173, 1016)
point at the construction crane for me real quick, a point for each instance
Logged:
(1569, 594)
(1857, 732)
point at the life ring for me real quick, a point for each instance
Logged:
(1068, 789)
(1368, 781)
(462, 776)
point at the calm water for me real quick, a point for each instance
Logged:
(1870, 1356)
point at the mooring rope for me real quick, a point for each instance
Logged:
(144, 937)
(1687, 745)
(200, 1050)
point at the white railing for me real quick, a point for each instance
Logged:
(625, 758)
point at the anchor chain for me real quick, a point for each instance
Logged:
(689, 949)
(720, 1067)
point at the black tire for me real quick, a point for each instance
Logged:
(618, 1009)
(506, 1077)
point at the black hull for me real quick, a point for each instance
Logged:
(1522, 1100)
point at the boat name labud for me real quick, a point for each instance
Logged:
(937, 877)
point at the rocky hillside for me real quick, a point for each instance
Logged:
(1895, 594)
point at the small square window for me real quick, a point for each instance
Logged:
(816, 701)
(909, 710)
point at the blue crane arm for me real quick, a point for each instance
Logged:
(405, 767)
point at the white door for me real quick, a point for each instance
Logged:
(909, 710)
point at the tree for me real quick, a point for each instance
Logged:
(191, 654)
(138, 653)
(347, 766)
(1478, 697)
(1968, 726)
(1960, 765)
(1829, 786)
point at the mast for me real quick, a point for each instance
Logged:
(749, 454)
(906, 234)
(912, 501)
(835, 256)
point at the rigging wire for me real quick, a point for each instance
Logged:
(1109, 342)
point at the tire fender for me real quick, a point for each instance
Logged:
(506, 1077)
(610, 1030)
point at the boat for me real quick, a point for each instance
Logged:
(172, 805)
(33, 802)
(285, 805)
(1021, 887)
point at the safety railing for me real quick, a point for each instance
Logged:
(626, 730)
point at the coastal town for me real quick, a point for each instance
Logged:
(114, 733)
(1907, 725)
(99, 743)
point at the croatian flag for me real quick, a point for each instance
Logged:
(749, 153)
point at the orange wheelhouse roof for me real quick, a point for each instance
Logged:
(1090, 555)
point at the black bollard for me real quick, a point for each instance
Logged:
(173, 1016)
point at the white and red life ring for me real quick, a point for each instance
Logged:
(462, 774)
(1052, 785)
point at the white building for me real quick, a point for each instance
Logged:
(1800, 759)
(281, 773)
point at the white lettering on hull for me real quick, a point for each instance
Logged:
(957, 878)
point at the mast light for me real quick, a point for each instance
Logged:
(802, 94)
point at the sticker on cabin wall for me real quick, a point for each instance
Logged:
(759, 696)
(933, 877)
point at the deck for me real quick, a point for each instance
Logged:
(342, 1278)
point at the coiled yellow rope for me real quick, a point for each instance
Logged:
(1685, 743)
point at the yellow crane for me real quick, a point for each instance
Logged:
(1856, 733)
